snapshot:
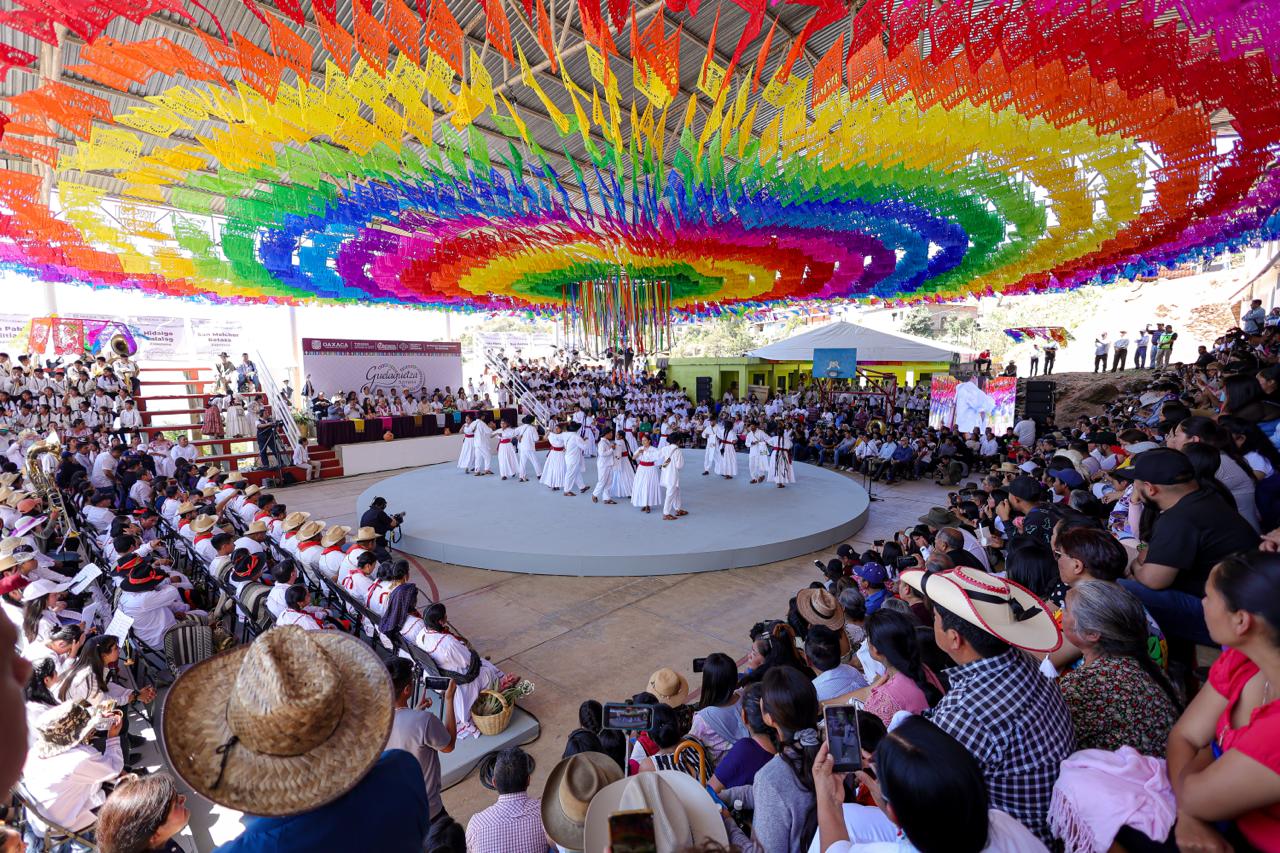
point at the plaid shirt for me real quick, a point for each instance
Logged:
(511, 825)
(1014, 721)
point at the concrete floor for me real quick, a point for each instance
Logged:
(601, 638)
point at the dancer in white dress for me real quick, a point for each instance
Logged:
(483, 449)
(726, 451)
(630, 434)
(454, 657)
(709, 455)
(647, 489)
(553, 470)
(605, 462)
(574, 454)
(624, 472)
(757, 441)
(781, 471)
(671, 466)
(237, 422)
(467, 457)
(508, 463)
(590, 435)
(528, 449)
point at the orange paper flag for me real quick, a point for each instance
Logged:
(826, 74)
(497, 29)
(337, 41)
(545, 38)
(444, 36)
(371, 39)
(291, 49)
(404, 28)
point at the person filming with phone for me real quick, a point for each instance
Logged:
(421, 733)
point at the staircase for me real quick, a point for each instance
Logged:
(330, 464)
(172, 399)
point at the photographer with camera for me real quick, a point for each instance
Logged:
(376, 517)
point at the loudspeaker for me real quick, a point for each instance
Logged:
(1038, 398)
(703, 388)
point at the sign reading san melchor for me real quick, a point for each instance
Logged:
(340, 346)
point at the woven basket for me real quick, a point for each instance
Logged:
(494, 724)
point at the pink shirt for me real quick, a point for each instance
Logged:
(898, 693)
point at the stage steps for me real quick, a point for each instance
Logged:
(171, 400)
(330, 464)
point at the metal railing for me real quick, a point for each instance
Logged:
(524, 395)
(278, 402)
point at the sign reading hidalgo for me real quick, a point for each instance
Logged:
(410, 367)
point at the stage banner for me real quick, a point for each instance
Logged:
(210, 337)
(14, 329)
(974, 404)
(515, 340)
(410, 367)
(830, 363)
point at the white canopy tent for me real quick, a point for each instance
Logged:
(872, 345)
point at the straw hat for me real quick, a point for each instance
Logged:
(1002, 608)
(294, 520)
(209, 491)
(256, 527)
(252, 490)
(683, 815)
(5, 491)
(17, 497)
(1009, 468)
(7, 562)
(819, 607)
(310, 530)
(64, 726)
(212, 470)
(235, 477)
(203, 524)
(334, 535)
(573, 783)
(283, 725)
(366, 534)
(186, 507)
(9, 479)
(669, 686)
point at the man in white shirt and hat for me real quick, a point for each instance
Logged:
(202, 536)
(309, 548)
(333, 552)
(248, 509)
(254, 535)
(286, 530)
(184, 449)
(366, 540)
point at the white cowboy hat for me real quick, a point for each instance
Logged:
(309, 530)
(683, 814)
(1002, 608)
(294, 520)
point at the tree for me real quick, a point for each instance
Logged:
(727, 336)
(919, 322)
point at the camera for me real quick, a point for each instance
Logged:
(398, 516)
(904, 563)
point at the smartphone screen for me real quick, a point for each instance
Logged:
(632, 832)
(628, 718)
(842, 737)
(698, 664)
(436, 682)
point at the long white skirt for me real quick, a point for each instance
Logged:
(466, 459)
(553, 470)
(709, 455)
(623, 478)
(726, 461)
(758, 461)
(780, 468)
(647, 489)
(507, 461)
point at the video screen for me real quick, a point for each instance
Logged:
(973, 405)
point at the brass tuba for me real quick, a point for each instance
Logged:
(42, 484)
(119, 345)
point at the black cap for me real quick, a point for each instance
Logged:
(845, 550)
(1162, 466)
(1026, 488)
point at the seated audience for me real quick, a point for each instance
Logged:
(718, 721)
(514, 823)
(142, 815)
(906, 683)
(1118, 696)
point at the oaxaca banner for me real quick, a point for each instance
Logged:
(339, 365)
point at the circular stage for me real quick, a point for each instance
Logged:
(525, 527)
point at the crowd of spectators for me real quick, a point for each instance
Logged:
(1074, 650)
